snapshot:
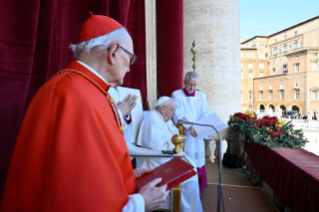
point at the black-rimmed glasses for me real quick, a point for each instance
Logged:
(133, 57)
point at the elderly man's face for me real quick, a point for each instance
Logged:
(191, 84)
(168, 110)
(122, 65)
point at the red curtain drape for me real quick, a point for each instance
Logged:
(34, 40)
(169, 46)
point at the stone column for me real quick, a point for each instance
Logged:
(215, 26)
(151, 58)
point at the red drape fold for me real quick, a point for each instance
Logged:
(169, 46)
(293, 174)
(34, 40)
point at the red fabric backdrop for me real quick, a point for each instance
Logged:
(34, 39)
(293, 174)
(169, 46)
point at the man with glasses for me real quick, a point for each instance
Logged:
(156, 132)
(70, 154)
(191, 105)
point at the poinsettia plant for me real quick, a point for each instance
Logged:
(268, 131)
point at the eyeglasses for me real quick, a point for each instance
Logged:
(133, 57)
(172, 110)
(191, 85)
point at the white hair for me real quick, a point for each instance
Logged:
(191, 74)
(166, 103)
(102, 42)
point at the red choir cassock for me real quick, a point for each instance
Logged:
(70, 154)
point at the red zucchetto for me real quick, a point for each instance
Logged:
(97, 25)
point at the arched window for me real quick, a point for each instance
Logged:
(282, 107)
(296, 44)
(261, 108)
(275, 51)
(272, 107)
(285, 48)
(295, 108)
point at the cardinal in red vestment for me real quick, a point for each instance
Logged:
(70, 154)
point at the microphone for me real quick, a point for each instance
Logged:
(219, 184)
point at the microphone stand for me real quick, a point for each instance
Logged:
(219, 184)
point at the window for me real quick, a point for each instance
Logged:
(275, 40)
(260, 87)
(290, 48)
(275, 51)
(261, 65)
(285, 66)
(295, 44)
(270, 86)
(296, 33)
(261, 95)
(296, 67)
(314, 95)
(314, 66)
(250, 95)
(285, 37)
(250, 65)
(250, 55)
(314, 54)
(266, 54)
(296, 84)
(261, 74)
(282, 95)
(274, 69)
(297, 95)
(301, 45)
(270, 95)
(279, 51)
(285, 48)
(281, 86)
(297, 57)
(261, 55)
(250, 76)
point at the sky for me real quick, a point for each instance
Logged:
(268, 17)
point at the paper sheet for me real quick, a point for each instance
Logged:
(212, 119)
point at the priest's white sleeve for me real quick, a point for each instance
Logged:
(135, 204)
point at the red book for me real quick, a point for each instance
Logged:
(172, 173)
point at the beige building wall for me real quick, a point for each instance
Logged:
(248, 70)
(296, 69)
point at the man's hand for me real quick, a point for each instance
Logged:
(153, 196)
(193, 131)
(139, 172)
(127, 104)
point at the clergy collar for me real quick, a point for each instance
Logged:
(92, 70)
(189, 94)
(89, 72)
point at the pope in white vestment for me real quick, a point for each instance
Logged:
(156, 132)
(191, 105)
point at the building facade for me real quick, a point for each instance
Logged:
(290, 77)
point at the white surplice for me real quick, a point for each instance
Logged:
(156, 133)
(193, 108)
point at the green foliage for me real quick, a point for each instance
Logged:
(267, 132)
